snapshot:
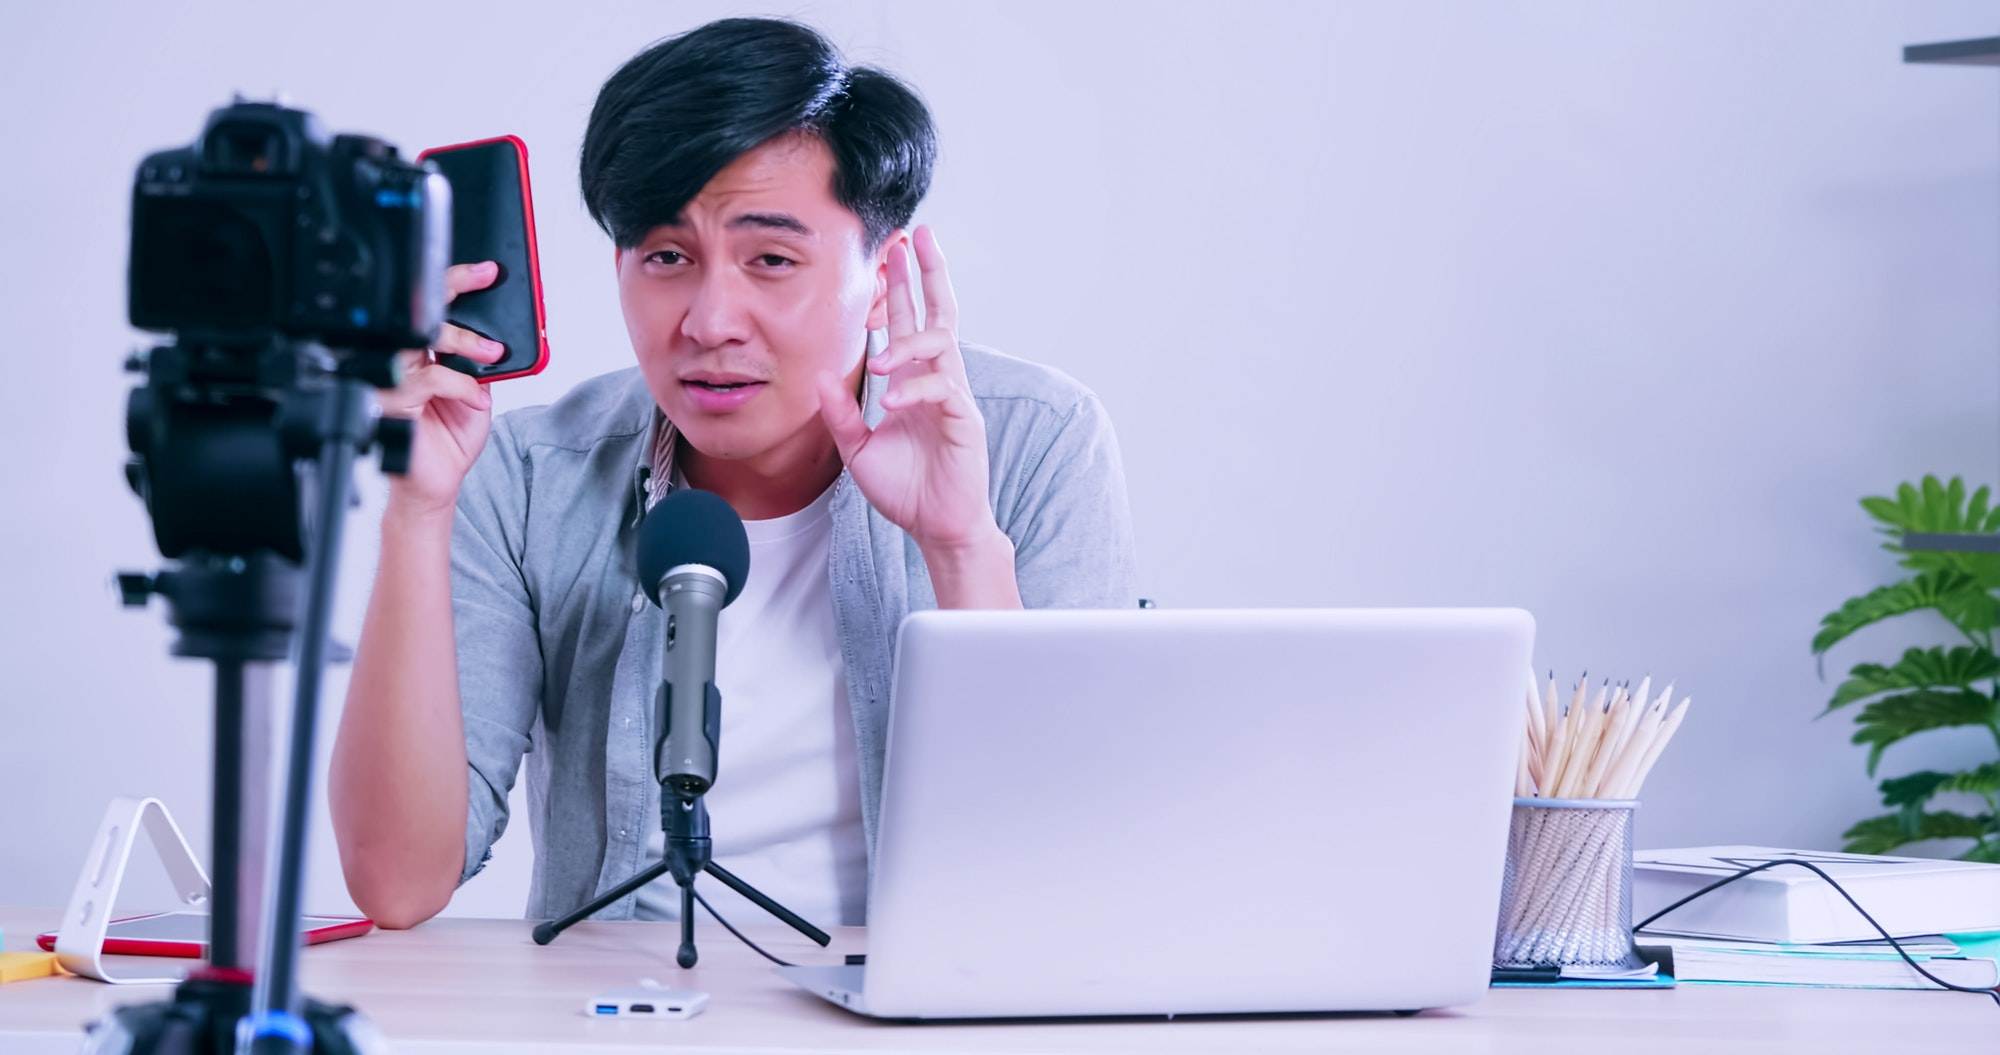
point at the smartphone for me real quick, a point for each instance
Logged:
(493, 218)
(186, 933)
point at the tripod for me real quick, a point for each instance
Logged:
(215, 456)
(684, 819)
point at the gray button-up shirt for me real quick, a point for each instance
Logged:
(559, 653)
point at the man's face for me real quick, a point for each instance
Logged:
(764, 283)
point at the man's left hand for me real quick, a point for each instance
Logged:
(923, 466)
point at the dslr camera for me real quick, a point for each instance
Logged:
(265, 229)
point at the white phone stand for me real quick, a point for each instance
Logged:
(80, 940)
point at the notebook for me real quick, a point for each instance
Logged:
(1972, 964)
(1789, 904)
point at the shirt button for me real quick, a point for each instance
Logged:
(621, 833)
(638, 602)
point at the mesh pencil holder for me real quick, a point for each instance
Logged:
(1567, 896)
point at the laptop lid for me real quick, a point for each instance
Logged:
(1184, 811)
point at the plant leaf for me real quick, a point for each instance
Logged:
(1927, 688)
(1975, 610)
(1984, 568)
(1920, 668)
(1910, 794)
(1943, 507)
(1981, 780)
(1876, 835)
(1915, 788)
(1886, 511)
(1910, 502)
(1879, 835)
(1987, 850)
(1894, 718)
(1948, 824)
(1958, 596)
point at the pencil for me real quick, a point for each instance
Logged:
(1620, 730)
(1583, 754)
(1635, 749)
(1673, 723)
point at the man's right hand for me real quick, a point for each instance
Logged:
(452, 412)
(397, 785)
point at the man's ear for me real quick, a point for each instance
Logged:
(878, 309)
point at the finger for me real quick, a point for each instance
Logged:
(902, 309)
(464, 278)
(430, 382)
(938, 390)
(921, 347)
(940, 303)
(456, 415)
(457, 340)
(842, 417)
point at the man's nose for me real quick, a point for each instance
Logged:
(719, 314)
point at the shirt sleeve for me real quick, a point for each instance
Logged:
(1072, 524)
(499, 649)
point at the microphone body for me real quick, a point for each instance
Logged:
(693, 558)
(688, 708)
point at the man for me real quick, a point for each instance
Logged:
(758, 193)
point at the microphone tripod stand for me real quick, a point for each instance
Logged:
(684, 819)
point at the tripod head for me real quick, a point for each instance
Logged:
(226, 446)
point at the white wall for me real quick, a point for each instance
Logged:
(1610, 311)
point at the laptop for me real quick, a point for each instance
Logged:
(1176, 812)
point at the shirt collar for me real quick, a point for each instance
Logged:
(653, 475)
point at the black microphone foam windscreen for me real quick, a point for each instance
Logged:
(693, 527)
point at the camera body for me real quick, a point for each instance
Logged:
(265, 228)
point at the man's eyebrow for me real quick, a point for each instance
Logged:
(775, 220)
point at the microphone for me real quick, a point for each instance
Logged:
(693, 559)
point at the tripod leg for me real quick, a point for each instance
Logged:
(756, 896)
(687, 955)
(546, 932)
(226, 916)
(274, 1021)
(242, 765)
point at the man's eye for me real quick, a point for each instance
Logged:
(774, 260)
(663, 254)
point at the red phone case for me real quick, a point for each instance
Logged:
(533, 262)
(195, 950)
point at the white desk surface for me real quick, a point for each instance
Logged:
(483, 985)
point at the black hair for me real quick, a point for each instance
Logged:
(683, 109)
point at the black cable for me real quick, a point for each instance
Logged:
(1842, 891)
(733, 930)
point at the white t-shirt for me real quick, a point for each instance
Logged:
(785, 811)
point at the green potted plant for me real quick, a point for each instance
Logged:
(1940, 687)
